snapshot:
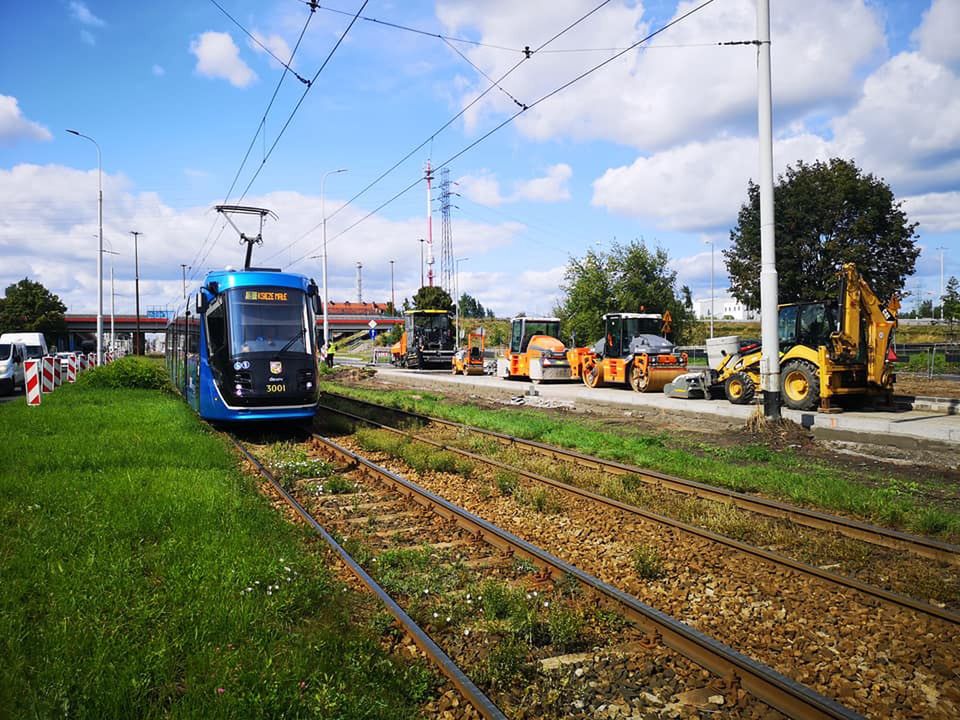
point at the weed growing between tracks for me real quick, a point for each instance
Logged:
(748, 467)
(141, 575)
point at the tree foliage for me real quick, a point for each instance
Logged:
(628, 278)
(470, 307)
(29, 307)
(433, 298)
(951, 301)
(826, 214)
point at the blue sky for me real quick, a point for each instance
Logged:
(658, 145)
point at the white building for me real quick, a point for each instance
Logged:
(725, 307)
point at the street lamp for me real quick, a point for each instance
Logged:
(137, 343)
(113, 337)
(100, 252)
(393, 299)
(456, 291)
(421, 260)
(323, 213)
(710, 243)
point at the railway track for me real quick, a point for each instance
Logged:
(894, 599)
(922, 546)
(481, 703)
(745, 680)
(810, 627)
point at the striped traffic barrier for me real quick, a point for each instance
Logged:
(31, 381)
(71, 368)
(46, 375)
(91, 360)
(109, 357)
(57, 372)
(81, 362)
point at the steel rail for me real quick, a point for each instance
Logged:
(777, 559)
(464, 684)
(764, 683)
(873, 534)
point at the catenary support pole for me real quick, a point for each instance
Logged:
(770, 359)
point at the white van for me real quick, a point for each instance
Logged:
(35, 342)
(12, 356)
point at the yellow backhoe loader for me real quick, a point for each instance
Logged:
(827, 350)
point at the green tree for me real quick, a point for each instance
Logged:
(433, 298)
(29, 307)
(951, 300)
(827, 214)
(471, 307)
(630, 278)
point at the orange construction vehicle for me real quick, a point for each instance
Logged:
(427, 339)
(634, 351)
(535, 351)
(469, 360)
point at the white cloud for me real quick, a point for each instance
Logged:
(88, 37)
(936, 212)
(484, 188)
(158, 70)
(82, 14)
(906, 125)
(550, 188)
(655, 98)
(219, 57)
(696, 186)
(937, 33)
(50, 235)
(14, 126)
(276, 44)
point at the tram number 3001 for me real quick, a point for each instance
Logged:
(276, 388)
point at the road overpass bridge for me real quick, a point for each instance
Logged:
(344, 319)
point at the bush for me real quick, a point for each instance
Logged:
(129, 372)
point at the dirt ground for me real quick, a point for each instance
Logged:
(917, 385)
(931, 472)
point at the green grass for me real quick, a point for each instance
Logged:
(747, 467)
(141, 575)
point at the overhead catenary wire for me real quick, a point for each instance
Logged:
(517, 114)
(200, 256)
(267, 50)
(526, 56)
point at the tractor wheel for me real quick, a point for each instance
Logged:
(638, 381)
(800, 385)
(592, 373)
(740, 389)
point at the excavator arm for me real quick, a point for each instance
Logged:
(863, 320)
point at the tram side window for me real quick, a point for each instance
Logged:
(217, 333)
(193, 336)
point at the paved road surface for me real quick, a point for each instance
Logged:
(897, 428)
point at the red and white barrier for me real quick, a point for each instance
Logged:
(109, 357)
(71, 368)
(31, 381)
(91, 360)
(57, 372)
(83, 361)
(46, 375)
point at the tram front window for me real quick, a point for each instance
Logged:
(270, 320)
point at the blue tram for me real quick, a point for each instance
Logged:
(243, 347)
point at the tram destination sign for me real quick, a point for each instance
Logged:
(266, 296)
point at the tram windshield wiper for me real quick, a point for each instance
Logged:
(291, 341)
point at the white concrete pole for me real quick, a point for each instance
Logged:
(770, 359)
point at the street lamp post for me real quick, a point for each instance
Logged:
(710, 243)
(456, 291)
(323, 213)
(421, 261)
(113, 337)
(183, 270)
(137, 344)
(393, 299)
(100, 252)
